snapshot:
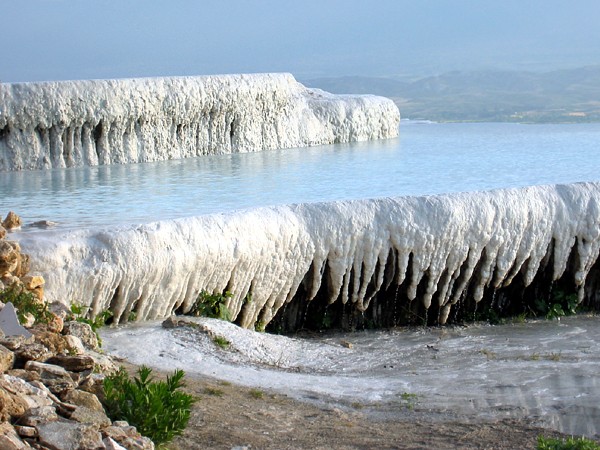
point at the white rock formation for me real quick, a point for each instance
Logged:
(483, 239)
(78, 123)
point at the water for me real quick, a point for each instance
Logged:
(427, 159)
(546, 371)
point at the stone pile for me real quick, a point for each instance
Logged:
(51, 373)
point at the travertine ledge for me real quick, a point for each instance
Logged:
(440, 250)
(86, 123)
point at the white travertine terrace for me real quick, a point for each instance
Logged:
(80, 123)
(481, 239)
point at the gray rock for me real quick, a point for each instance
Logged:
(103, 363)
(24, 374)
(9, 439)
(84, 332)
(7, 359)
(128, 437)
(9, 322)
(74, 345)
(29, 432)
(31, 352)
(82, 398)
(170, 322)
(36, 416)
(19, 386)
(11, 405)
(56, 378)
(43, 224)
(67, 435)
(99, 419)
(76, 363)
(14, 342)
(110, 444)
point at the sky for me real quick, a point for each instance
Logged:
(85, 39)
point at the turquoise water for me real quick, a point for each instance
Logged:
(427, 158)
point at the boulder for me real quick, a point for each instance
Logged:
(12, 221)
(7, 359)
(128, 437)
(90, 416)
(27, 432)
(54, 342)
(110, 444)
(33, 281)
(74, 345)
(23, 394)
(73, 363)
(16, 341)
(31, 352)
(11, 405)
(56, 378)
(9, 254)
(9, 439)
(83, 399)
(9, 322)
(36, 416)
(84, 332)
(68, 435)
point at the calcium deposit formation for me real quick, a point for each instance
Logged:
(382, 262)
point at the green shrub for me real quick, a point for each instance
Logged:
(156, 408)
(26, 303)
(212, 305)
(221, 342)
(561, 304)
(571, 443)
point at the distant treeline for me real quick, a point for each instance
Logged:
(571, 95)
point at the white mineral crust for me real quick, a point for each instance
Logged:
(481, 239)
(80, 123)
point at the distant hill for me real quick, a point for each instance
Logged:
(560, 96)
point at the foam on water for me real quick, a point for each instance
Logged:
(545, 371)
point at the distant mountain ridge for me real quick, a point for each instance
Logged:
(570, 95)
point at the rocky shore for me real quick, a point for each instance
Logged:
(51, 371)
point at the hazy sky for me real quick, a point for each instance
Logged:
(78, 39)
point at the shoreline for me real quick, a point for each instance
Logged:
(477, 379)
(230, 416)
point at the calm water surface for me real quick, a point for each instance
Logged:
(426, 159)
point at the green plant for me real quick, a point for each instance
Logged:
(259, 326)
(213, 391)
(571, 443)
(256, 393)
(156, 408)
(554, 356)
(26, 303)
(409, 400)
(212, 305)
(221, 342)
(561, 304)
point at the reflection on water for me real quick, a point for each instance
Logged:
(546, 371)
(426, 159)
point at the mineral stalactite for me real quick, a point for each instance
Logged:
(80, 123)
(440, 249)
